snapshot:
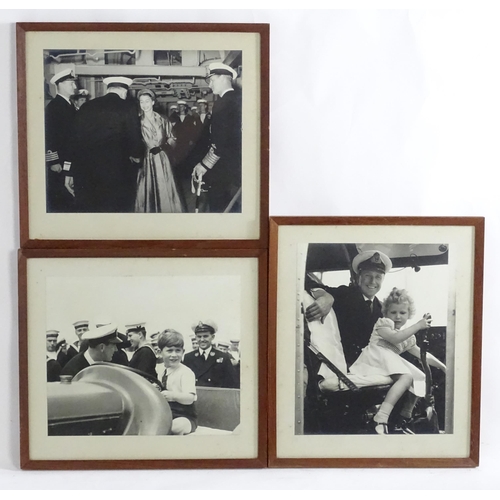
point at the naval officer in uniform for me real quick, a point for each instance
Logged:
(212, 367)
(102, 343)
(108, 149)
(356, 306)
(220, 168)
(59, 120)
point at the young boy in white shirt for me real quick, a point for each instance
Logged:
(179, 383)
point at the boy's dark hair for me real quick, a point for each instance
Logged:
(170, 338)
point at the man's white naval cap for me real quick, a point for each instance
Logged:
(202, 101)
(52, 333)
(204, 326)
(218, 68)
(81, 323)
(106, 333)
(136, 327)
(61, 76)
(182, 102)
(118, 81)
(371, 260)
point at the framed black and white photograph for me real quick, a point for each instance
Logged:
(375, 341)
(143, 132)
(150, 361)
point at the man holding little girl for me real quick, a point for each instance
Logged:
(373, 337)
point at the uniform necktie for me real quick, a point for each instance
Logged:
(369, 303)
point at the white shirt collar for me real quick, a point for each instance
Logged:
(88, 357)
(226, 91)
(169, 370)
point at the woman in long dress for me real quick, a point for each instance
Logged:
(156, 187)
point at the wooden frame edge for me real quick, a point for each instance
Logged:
(478, 223)
(260, 461)
(262, 29)
(22, 135)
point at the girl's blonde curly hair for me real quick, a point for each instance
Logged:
(399, 296)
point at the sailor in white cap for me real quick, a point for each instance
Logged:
(108, 151)
(211, 366)
(144, 358)
(80, 326)
(182, 107)
(194, 342)
(221, 165)
(194, 114)
(223, 346)
(53, 366)
(185, 130)
(102, 343)
(59, 349)
(234, 350)
(59, 119)
(52, 342)
(356, 306)
(203, 113)
(80, 98)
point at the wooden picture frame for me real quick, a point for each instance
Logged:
(172, 60)
(316, 419)
(168, 289)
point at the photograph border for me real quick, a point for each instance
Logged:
(477, 223)
(259, 461)
(263, 30)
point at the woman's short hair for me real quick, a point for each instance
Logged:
(170, 338)
(399, 296)
(147, 92)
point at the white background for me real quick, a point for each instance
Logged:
(372, 113)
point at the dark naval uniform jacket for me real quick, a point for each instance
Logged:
(216, 371)
(63, 358)
(224, 178)
(355, 319)
(75, 365)
(186, 134)
(53, 370)
(59, 120)
(202, 138)
(107, 133)
(144, 359)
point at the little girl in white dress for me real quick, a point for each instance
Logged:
(382, 356)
